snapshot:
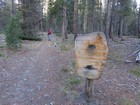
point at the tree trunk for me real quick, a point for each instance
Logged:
(100, 22)
(13, 7)
(88, 89)
(121, 20)
(75, 19)
(121, 27)
(125, 27)
(108, 13)
(111, 20)
(41, 22)
(110, 28)
(85, 16)
(93, 16)
(139, 24)
(80, 16)
(116, 25)
(64, 26)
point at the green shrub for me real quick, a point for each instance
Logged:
(13, 31)
(72, 80)
(29, 37)
(70, 83)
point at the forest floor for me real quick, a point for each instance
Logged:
(41, 73)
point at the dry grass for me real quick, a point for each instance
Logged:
(71, 82)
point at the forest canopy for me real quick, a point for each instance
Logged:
(116, 18)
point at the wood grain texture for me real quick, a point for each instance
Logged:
(91, 50)
(88, 90)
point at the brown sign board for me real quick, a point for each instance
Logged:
(91, 52)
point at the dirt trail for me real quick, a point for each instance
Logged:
(32, 77)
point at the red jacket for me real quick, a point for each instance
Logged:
(49, 31)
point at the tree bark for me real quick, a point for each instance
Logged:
(116, 25)
(93, 16)
(41, 22)
(13, 7)
(121, 20)
(139, 23)
(121, 27)
(75, 19)
(85, 16)
(108, 13)
(111, 20)
(100, 22)
(64, 26)
(88, 89)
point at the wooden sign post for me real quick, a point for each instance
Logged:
(91, 52)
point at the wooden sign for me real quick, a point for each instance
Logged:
(91, 52)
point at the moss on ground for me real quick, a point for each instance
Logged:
(126, 102)
(135, 71)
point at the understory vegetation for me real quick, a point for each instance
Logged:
(13, 31)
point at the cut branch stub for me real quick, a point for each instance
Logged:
(91, 53)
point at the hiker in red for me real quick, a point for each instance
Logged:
(49, 34)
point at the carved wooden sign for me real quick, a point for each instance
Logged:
(91, 53)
